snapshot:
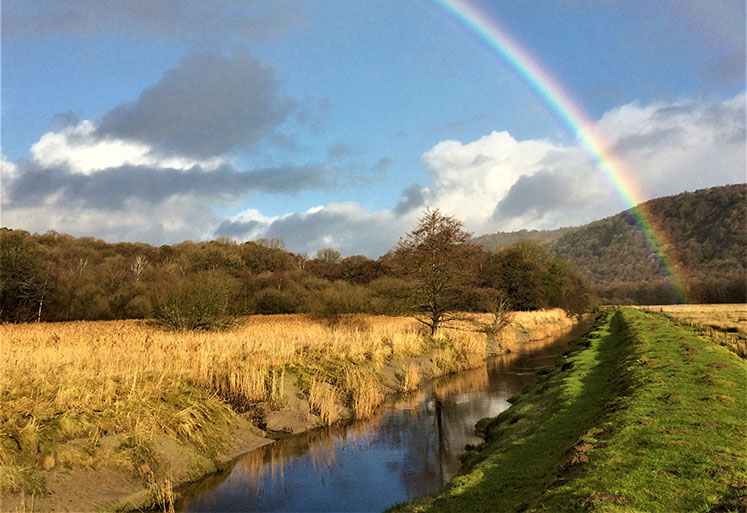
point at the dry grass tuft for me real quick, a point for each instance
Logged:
(324, 401)
(365, 391)
(411, 378)
(163, 495)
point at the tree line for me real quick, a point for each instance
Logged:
(433, 271)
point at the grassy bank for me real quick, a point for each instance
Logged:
(102, 415)
(644, 415)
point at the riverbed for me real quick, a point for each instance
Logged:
(409, 449)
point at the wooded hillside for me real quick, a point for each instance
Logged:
(707, 230)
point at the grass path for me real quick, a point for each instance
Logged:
(643, 416)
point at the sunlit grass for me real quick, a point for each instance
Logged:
(644, 415)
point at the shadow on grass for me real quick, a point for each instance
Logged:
(530, 446)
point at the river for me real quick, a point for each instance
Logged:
(409, 449)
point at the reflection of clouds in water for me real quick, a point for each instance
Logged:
(410, 448)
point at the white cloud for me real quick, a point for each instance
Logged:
(82, 151)
(176, 219)
(468, 180)
(676, 146)
(499, 183)
(493, 183)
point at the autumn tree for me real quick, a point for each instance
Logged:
(432, 258)
(24, 278)
(328, 256)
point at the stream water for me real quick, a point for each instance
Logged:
(409, 449)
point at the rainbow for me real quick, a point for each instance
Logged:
(570, 114)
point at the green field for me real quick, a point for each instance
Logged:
(643, 415)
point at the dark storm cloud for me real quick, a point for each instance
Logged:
(535, 195)
(207, 106)
(111, 188)
(195, 20)
(412, 197)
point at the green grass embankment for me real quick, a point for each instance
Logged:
(643, 416)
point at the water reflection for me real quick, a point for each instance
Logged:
(410, 449)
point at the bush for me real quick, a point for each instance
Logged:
(339, 298)
(273, 301)
(197, 304)
(138, 307)
(389, 296)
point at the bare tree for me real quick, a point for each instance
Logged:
(328, 255)
(433, 257)
(493, 302)
(271, 243)
(138, 266)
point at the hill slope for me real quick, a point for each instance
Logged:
(707, 232)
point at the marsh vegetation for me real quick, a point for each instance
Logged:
(132, 399)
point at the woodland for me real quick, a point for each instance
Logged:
(204, 285)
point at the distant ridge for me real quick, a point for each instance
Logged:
(707, 230)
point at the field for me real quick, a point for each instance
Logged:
(145, 405)
(729, 317)
(726, 323)
(644, 415)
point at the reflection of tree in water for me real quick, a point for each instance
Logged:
(416, 439)
(458, 402)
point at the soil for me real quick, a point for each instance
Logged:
(113, 488)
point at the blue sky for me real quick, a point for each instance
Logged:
(343, 119)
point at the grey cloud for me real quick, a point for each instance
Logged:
(284, 141)
(728, 69)
(351, 231)
(723, 121)
(207, 106)
(341, 150)
(112, 188)
(311, 112)
(236, 229)
(412, 198)
(535, 195)
(383, 164)
(194, 20)
(65, 119)
(640, 141)
(482, 159)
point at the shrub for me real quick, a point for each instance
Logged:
(389, 296)
(274, 301)
(339, 298)
(138, 307)
(197, 304)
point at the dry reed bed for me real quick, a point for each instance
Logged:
(82, 382)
